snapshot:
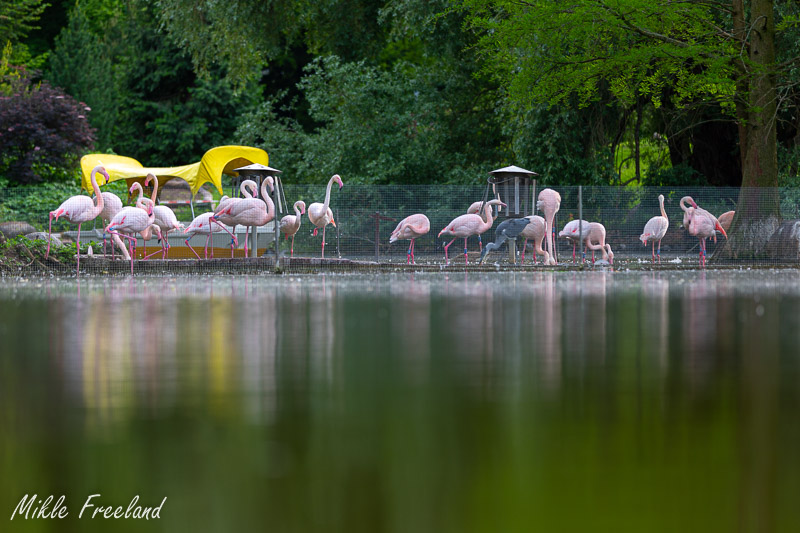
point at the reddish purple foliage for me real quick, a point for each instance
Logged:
(40, 125)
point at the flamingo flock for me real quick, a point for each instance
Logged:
(147, 219)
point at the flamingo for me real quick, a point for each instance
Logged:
(225, 202)
(468, 225)
(246, 212)
(133, 220)
(549, 202)
(290, 224)
(726, 219)
(701, 224)
(165, 219)
(412, 227)
(80, 209)
(572, 232)
(655, 229)
(475, 208)
(202, 225)
(595, 239)
(320, 214)
(111, 206)
(536, 230)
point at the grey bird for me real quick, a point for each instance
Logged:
(508, 229)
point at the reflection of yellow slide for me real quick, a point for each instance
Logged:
(215, 162)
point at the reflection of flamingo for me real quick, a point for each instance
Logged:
(165, 219)
(79, 209)
(290, 224)
(320, 214)
(132, 220)
(549, 202)
(572, 232)
(535, 230)
(655, 229)
(726, 219)
(411, 227)
(468, 225)
(247, 212)
(202, 225)
(596, 240)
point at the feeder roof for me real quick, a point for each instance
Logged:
(258, 166)
(513, 169)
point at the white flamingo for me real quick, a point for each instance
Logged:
(290, 224)
(655, 229)
(320, 214)
(201, 225)
(133, 220)
(79, 209)
(412, 227)
(165, 219)
(247, 212)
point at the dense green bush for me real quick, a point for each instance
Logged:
(40, 127)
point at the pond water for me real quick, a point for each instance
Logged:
(572, 401)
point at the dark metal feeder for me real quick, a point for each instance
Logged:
(515, 187)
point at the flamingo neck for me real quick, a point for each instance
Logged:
(268, 200)
(327, 195)
(297, 212)
(155, 189)
(140, 199)
(663, 213)
(96, 188)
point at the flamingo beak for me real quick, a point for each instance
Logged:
(721, 230)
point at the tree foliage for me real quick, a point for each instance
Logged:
(40, 126)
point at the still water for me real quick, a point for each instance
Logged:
(595, 401)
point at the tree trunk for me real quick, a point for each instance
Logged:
(758, 208)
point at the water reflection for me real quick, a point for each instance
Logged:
(414, 402)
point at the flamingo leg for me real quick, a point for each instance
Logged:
(235, 240)
(192, 249)
(208, 237)
(246, 235)
(323, 240)
(653, 248)
(480, 243)
(413, 261)
(658, 253)
(291, 253)
(78, 248)
(573, 252)
(446, 246)
(524, 244)
(315, 232)
(466, 259)
(49, 231)
(408, 253)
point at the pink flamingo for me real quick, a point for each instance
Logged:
(726, 219)
(165, 219)
(133, 220)
(535, 230)
(475, 208)
(225, 202)
(79, 209)
(320, 214)
(202, 225)
(549, 202)
(466, 226)
(111, 206)
(688, 210)
(411, 227)
(702, 225)
(290, 224)
(655, 229)
(572, 232)
(595, 239)
(247, 212)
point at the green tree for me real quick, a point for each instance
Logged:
(689, 51)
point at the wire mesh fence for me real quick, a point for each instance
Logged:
(365, 216)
